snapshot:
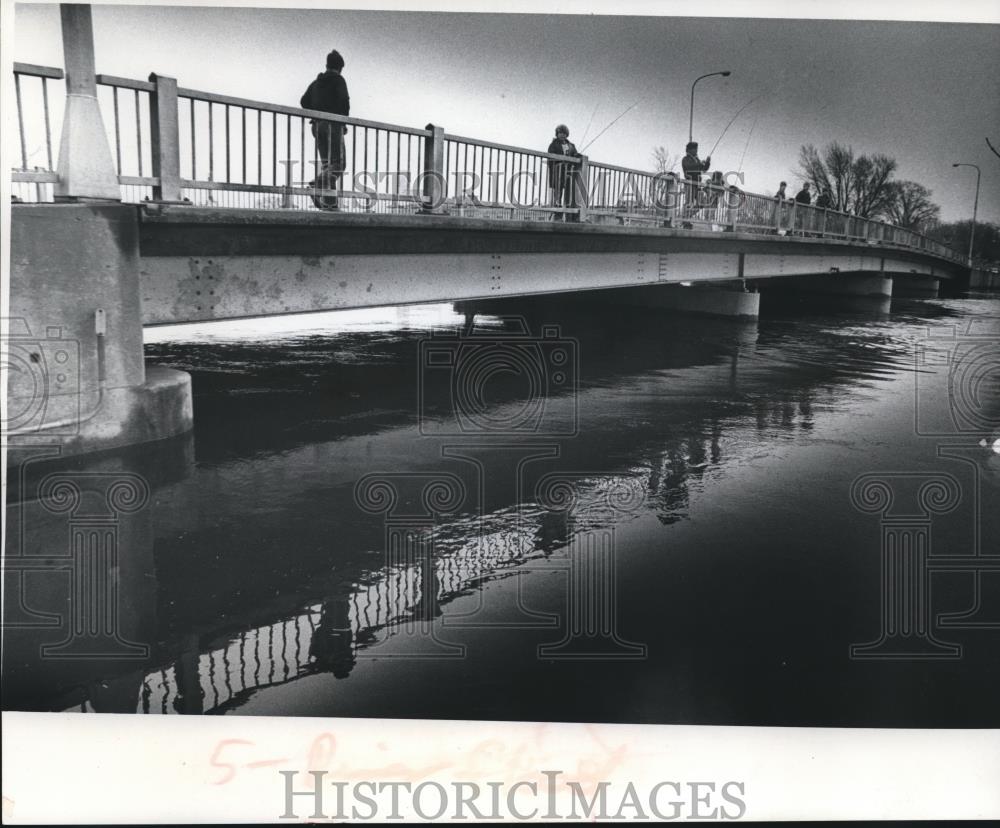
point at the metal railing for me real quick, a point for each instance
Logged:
(184, 145)
(243, 153)
(33, 179)
(490, 180)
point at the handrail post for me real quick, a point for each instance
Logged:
(86, 169)
(165, 138)
(433, 189)
(732, 207)
(673, 199)
(822, 224)
(581, 190)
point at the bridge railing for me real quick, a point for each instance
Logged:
(35, 174)
(126, 105)
(177, 144)
(242, 153)
(484, 178)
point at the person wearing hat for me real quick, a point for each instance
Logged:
(693, 168)
(328, 93)
(560, 172)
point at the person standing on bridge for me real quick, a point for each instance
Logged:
(561, 173)
(328, 93)
(802, 198)
(780, 198)
(693, 168)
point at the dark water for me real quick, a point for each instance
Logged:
(642, 518)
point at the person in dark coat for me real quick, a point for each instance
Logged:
(802, 196)
(824, 200)
(693, 168)
(561, 173)
(328, 93)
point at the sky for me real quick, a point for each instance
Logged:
(924, 93)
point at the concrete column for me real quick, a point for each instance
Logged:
(86, 169)
(78, 379)
(710, 300)
(838, 284)
(915, 286)
(165, 138)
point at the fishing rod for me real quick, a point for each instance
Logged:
(616, 120)
(731, 120)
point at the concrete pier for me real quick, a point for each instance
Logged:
(711, 299)
(915, 287)
(874, 285)
(78, 379)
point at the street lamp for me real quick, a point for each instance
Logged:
(725, 74)
(975, 208)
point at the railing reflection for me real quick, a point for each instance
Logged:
(332, 634)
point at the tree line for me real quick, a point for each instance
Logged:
(863, 185)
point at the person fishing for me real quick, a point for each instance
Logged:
(561, 178)
(693, 167)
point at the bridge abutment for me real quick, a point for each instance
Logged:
(77, 377)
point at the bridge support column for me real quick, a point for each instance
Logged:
(726, 299)
(915, 287)
(863, 292)
(77, 378)
(86, 169)
(837, 284)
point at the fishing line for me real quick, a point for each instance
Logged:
(731, 120)
(616, 120)
(592, 114)
(747, 145)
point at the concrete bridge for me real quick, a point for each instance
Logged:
(205, 209)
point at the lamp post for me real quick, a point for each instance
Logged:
(975, 208)
(725, 74)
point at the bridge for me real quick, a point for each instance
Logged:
(169, 204)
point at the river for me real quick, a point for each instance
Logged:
(576, 515)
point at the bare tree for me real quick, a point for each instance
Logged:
(909, 205)
(856, 184)
(663, 161)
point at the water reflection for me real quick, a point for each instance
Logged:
(257, 568)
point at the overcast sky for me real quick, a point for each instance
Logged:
(925, 93)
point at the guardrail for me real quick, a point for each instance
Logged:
(34, 178)
(174, 144)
